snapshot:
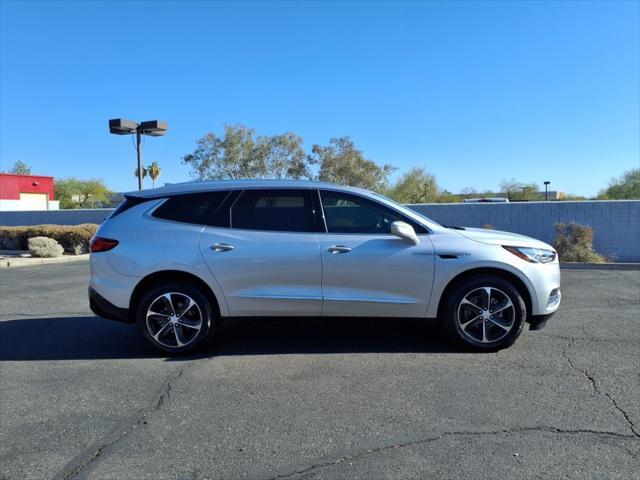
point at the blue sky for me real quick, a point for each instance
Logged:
(473, 91)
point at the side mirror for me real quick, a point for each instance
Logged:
(405, 232)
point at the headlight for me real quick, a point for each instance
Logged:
(532, 255)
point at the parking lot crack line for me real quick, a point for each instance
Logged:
(126, 426)
(597, 390)
(614, 403)
(461, 433)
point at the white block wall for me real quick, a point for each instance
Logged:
(616, 223)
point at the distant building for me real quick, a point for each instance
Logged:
(516, 195)
(534, 196)
(27, 192)
(552, 194)
(486, 200)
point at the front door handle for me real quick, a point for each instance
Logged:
(338, 249)
(221, 247)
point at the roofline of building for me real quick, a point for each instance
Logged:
(26, 175)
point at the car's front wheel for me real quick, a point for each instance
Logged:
(485, 313)
(175, 318)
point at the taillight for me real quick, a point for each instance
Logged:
(101, 244)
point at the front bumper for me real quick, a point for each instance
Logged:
(105, 309)
(538, 322)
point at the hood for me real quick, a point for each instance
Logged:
(497, 237)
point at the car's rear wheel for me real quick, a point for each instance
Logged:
(175, 318)
(485, 313)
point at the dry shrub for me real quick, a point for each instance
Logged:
(44, 247)
(574, 243)
(73, 238)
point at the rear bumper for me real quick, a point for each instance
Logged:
(105, 309)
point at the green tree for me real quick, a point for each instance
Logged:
(75, 193)
(20, 168)
(469, 192)
(509, 187)
(240, 154)
(415, 186)
(626, 187)
(530, 191)
(234, 155)
(341, 162)
(446, 196)
(515, 190)
(154, 171)
(285, 156)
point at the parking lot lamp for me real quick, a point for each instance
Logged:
(546, 190)
(152, 128)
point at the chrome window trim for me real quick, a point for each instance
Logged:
(318, 191)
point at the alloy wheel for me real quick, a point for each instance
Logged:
(174, 320)
(486, 315)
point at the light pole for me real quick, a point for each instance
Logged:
(524, 193)
(152, 128)
(546, 190)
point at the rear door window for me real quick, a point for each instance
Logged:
(274, 210)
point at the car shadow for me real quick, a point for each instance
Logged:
(92, 338)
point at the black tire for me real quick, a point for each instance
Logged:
(169, 339)
(486, 334)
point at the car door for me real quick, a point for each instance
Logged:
(367, 271)
(266, 256)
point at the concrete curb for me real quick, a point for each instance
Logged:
(15, 262)
(599, 266)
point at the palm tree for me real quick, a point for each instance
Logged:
(144, 172)
(154, 172)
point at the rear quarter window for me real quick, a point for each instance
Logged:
(196, 208)
(128, 203)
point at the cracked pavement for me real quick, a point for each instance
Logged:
(84, 398)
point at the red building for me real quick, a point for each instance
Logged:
(26, 192)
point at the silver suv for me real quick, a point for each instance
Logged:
(177, 260)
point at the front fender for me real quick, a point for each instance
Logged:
(448, 270)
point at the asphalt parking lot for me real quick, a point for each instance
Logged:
(83, 397)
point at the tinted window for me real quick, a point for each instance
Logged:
(128, 203)
(276, 210)
(198, 208)
(345, 213)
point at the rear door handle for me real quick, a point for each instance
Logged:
(221, 247)
(338, 249)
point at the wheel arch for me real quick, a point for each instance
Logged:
(462, 277)
(171, 276)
